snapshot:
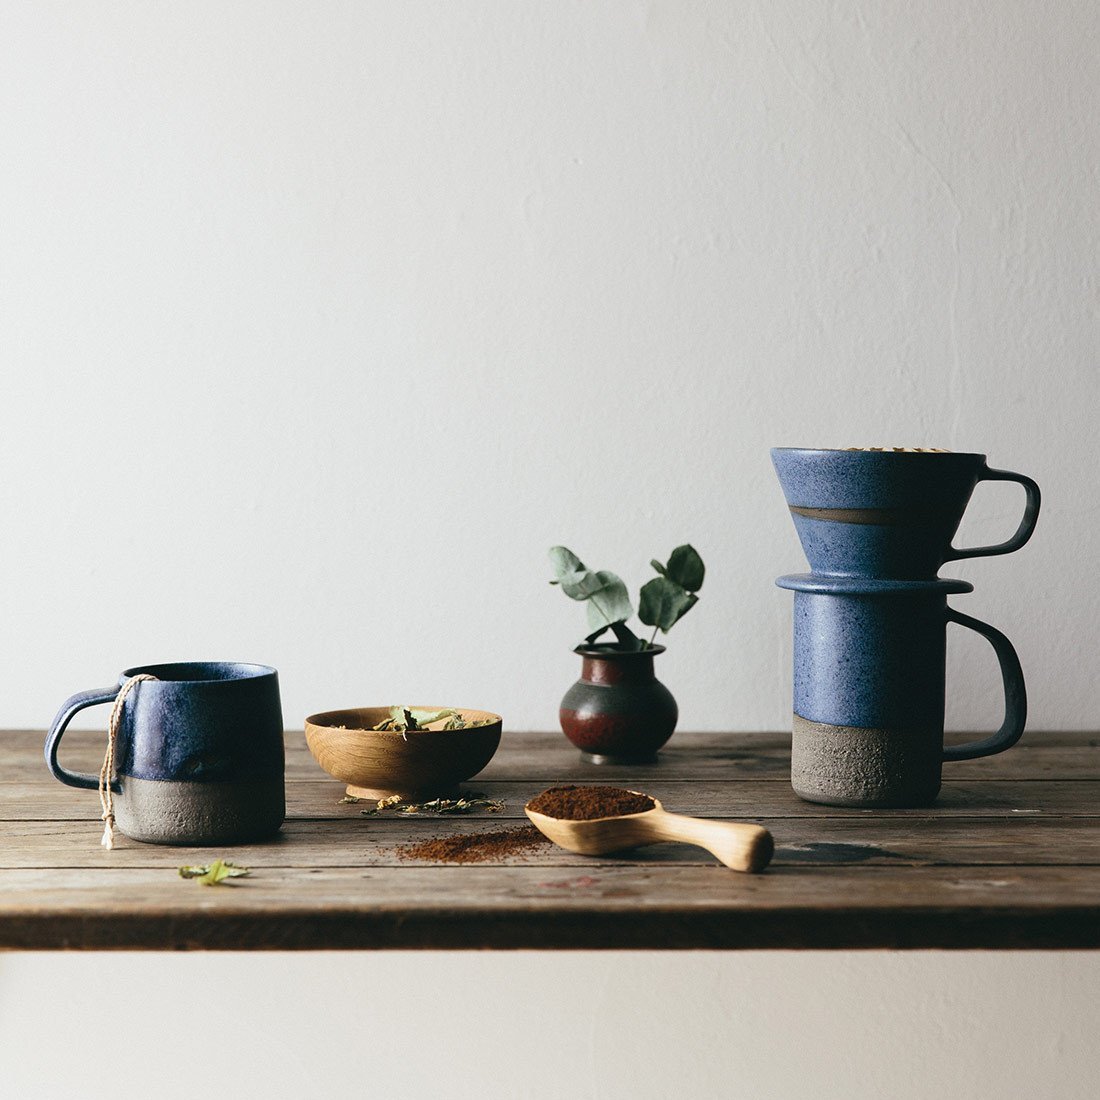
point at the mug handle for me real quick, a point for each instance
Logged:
(78, 702)
(1015, 694)
(1023, 532)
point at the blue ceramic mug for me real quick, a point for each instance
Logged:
(199, 755)
(869, 690)
(889, 513)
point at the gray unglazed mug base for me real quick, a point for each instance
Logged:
(169, 812)
(865, 768)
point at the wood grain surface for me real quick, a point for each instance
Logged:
(1008, 858)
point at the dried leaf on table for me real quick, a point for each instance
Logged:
(214, 873)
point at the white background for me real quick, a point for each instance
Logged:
(320, 322)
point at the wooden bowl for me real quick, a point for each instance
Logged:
(380, 763)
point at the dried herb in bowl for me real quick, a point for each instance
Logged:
(408, 720)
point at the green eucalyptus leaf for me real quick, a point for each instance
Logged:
(663, 602)
(580, 584)
(658, 566)
(626, 637)
(609, 603)
(686, 568)
(564, 561)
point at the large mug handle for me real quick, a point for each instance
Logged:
(1023, 532)
(1015, 694)
(78, 702)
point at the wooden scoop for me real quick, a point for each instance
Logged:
(740, 847)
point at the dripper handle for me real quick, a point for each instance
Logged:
(1023, 532)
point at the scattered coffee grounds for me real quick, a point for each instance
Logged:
(476, 847)
(586, 803)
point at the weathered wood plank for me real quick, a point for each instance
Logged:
(1009, 857)
(651, 906)
(803, 843)
(45, 800)
(746, 756)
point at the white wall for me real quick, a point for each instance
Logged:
(320, 322)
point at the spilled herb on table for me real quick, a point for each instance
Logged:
(466, 804)
(214, 873)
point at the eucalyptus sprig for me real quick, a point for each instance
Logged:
(662, 602)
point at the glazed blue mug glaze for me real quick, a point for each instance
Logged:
(889, 513)
(869, 690)
(199, 755)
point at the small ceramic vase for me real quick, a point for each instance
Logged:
(618, 711)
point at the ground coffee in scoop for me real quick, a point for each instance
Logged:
(587, 803)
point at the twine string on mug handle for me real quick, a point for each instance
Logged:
(106, 773)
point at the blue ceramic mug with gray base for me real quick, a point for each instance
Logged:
(887, 512)
(198, 755)
(869, 689)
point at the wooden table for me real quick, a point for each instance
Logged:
(1008, 858)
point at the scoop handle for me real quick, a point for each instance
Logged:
(739, 846)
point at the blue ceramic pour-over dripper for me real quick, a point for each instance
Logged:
(888, 513)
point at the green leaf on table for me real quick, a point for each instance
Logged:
(213, 873)
(663, 603)
(686, 568)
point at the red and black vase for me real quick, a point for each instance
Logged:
(618, 712)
